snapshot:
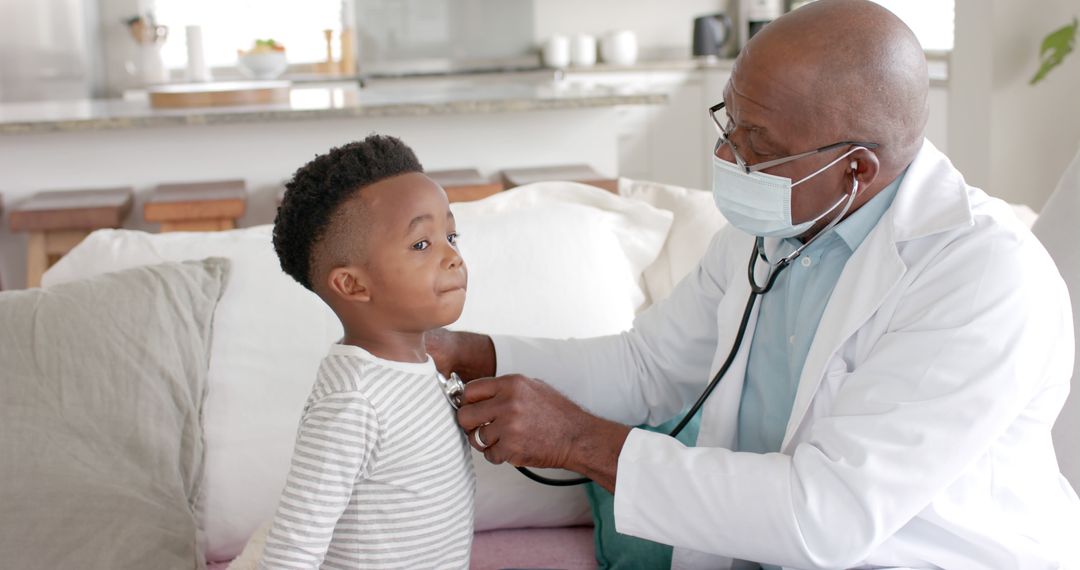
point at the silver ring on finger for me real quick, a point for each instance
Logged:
(476, 438)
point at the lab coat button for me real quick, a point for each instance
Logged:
(806, 261)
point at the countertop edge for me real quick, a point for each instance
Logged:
(199, 116)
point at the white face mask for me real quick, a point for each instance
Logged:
(760, 204)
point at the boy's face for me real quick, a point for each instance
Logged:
(414, 274)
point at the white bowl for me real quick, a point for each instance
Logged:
(263, 65)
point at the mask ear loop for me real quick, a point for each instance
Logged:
(851, 200)
(830, 165)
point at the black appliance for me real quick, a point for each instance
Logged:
(711, 33)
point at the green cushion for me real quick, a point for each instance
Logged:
(619, 551)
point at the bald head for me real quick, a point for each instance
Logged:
(841, 70)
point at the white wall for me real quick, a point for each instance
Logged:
(658, 23)
(1007, 137)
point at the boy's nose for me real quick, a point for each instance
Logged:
(453, 259)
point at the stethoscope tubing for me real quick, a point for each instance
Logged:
(755, 292)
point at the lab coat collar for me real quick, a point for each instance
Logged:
(933, 198)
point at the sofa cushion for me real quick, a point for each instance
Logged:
(616, 551)
(1058, 229)
(556, 259)
(696, 220)
(270, 334)
(103, 386)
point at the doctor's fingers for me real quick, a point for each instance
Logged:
(472, 416)
(486, 388)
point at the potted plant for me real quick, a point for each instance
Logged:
(1055, 47)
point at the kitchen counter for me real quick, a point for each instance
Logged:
(308, 103)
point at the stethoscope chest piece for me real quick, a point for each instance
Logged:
(453, 389)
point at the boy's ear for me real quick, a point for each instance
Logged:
(349, 283)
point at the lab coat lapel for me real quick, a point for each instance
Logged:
(932, 198)
(719, 424)
(869, 277)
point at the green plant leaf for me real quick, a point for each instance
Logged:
(1055, 47)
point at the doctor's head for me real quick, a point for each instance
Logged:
(365, 229)
(844, 76)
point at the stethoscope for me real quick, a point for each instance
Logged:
(454, 388)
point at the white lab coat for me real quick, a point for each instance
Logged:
(920, 432)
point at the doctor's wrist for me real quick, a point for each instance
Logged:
(475, 355)
(595, 451)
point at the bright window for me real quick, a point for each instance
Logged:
(229, 25)
(931, 20)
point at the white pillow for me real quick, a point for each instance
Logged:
(696, 221)
(269, 337)
(556, 260)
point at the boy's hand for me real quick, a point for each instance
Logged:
(471, 355)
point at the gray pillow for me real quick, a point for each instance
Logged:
(102, 383)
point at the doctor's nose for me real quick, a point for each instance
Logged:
(723, 151)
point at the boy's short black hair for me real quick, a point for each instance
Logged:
(319, 188)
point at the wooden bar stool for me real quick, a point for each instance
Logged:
(582, 173)
(197, 206)
(58, 220)
(465, 185)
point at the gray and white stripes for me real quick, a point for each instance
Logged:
(381, 475)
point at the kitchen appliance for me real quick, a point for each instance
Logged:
(52, 50)
(711, 33)
(756, 14)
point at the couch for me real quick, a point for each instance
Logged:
(549, 259)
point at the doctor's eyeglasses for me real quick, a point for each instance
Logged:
(726, 126)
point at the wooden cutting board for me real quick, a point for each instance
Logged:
(218, 94)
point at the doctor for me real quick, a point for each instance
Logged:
(891, 402)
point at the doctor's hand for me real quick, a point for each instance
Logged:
(527, 423)
(469, 354)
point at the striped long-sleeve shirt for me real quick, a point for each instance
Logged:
(381, 474)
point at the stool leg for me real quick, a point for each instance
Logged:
(45, 249)
(37, 259)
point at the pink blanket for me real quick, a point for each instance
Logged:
(568, 548)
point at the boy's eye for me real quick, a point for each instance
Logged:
(421, 245)
(452, 238)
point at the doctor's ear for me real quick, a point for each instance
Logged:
(864, 166)
(349, 284)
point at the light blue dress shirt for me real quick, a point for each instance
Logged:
(789, 317)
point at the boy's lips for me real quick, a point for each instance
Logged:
(451, 289)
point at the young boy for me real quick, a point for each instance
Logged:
(381, 474)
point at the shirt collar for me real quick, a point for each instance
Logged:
(857, 226)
